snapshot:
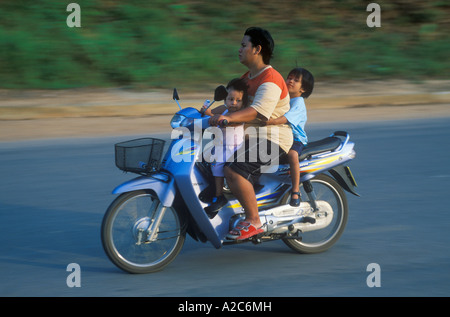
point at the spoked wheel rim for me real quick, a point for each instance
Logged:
(326, 189)
(126, 238)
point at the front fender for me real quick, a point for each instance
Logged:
(162, 184)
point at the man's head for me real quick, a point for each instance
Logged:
(261, 37)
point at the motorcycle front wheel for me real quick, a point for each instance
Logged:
(132, 238)
(326, 189)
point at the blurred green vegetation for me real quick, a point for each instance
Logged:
(162, 44)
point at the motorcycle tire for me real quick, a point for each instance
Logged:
(124, 242)
(326, 188)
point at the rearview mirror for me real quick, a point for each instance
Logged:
(220, 93)
(175, 97)
(175, 94)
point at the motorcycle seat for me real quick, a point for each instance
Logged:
(324, 145)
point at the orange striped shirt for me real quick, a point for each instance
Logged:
(269, 96)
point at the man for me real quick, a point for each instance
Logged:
(269, 99)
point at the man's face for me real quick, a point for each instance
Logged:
(246, 51)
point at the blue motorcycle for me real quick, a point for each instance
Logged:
(145, 227)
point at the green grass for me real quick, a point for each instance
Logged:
(194, 44)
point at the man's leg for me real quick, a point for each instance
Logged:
(243, 190)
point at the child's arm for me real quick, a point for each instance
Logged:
(217, 110)
(279, 120)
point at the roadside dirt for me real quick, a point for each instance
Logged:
(38, 114)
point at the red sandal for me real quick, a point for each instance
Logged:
(244, 230)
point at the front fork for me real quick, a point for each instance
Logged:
(147, 231)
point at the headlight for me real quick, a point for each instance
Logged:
(176, 121)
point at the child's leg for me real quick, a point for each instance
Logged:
(219, 200)
(219, 181)
(295, 172)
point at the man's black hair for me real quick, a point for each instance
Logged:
(259, 36)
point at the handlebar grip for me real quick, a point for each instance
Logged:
(341, 133)
(223, 123)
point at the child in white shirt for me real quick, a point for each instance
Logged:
(233, 137)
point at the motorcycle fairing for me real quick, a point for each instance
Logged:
(190, 184)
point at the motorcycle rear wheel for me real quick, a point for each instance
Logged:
(122, 237)
(325, 188)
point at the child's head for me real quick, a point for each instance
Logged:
(300, 82)
(237, 97)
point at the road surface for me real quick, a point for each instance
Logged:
(53, 194)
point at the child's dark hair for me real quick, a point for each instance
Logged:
(307, 80)
(239, 84)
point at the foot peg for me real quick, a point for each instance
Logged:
(217, 203)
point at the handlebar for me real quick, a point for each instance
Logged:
(223, 123)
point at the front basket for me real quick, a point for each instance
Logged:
(141, 156)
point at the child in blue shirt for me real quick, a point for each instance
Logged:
(300, 83)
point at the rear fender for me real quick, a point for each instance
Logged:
(161, 184)
(345, 178)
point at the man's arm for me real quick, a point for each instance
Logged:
(244, 115)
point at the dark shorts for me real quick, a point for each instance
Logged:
(297, 146)
(252, 157)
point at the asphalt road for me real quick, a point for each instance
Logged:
(53, 194)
